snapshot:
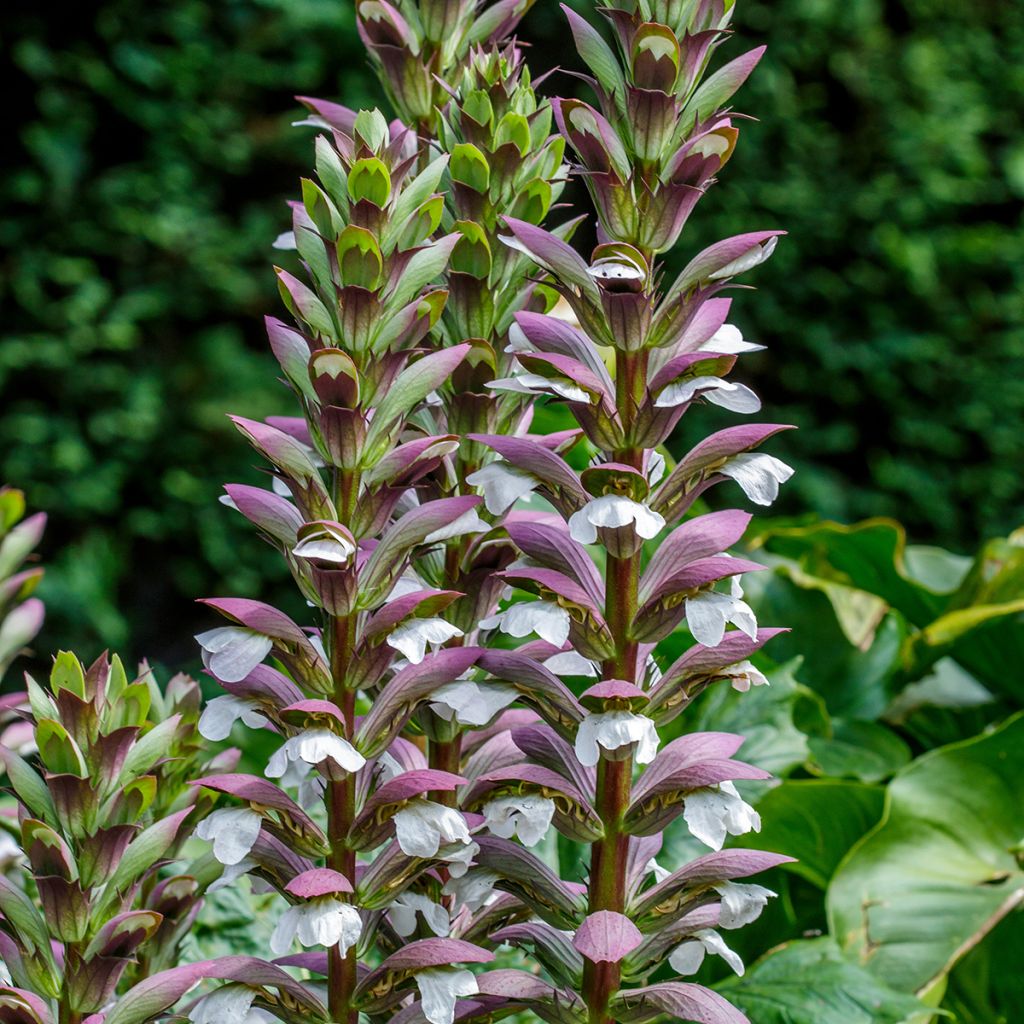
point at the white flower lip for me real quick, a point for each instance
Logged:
(468, 522)
(440, 989)
(753, 257)
(741, 904)
(527, 816)
(413, 636)
(569, 663)
(744, 675)
(422, 826)
(611, 511)
(470, 703)
(758, 475)
(535, 384)
(729, 395)
(233, 831)
(229, 1004)
(312, 746)
(714, 812)
(221, 713)
(708, 613)
(326, 545)
(232, 652)
(405, 908)
(612, 730)
(502, 485)
(323, 921)
(545, 618)
(687, 957)
(728, 340)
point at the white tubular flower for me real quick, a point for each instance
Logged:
(613, 510)
(422, 826)
(326, 543)
(311, 746)
(708, 613)
(545, 618)
(502, 485)
(413, 636)
(231, 1004)
(742, 903)
(404, 910)
(468, 522)
(221, 713)
(529, 817)
(728, 340)
(473, 889)
(758, 475)
(233, 831)
(714, 812)
(323, 921)
(232, 652)
(729, 395)
(569, 663)
(469, 703)
(440, 989)
(614, 729)
(687, 957)
(232, 873)
(459, 857)
(743, 675)
(535, 384)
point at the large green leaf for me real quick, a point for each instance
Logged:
(809, 982)
(942, 867)
(818, 822)
(987, 986)
(858, 750)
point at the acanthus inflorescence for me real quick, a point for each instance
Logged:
(484, 667)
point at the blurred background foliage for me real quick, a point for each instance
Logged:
(149, 161)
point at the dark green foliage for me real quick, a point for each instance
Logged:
(153, 153)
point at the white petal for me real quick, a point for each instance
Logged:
(529, 817)
(744, 675)
(470, 703)
(714, 812)
(728, 340)
(283, 935)
(660, 873)
(615, 729)
(286, 241)
(569, 663)
(754, 256)
(325, 548)
(581, 529)
(735, 397)
(413, 636)
(758, 475)
(707, 615)
(714, 943)
(459, 857)
(545, 618)
(221, 713)
(741, 904)
(503, 485)
(683, 391)
(423, 825)
(612, 511)
(232, 652)
(233, 831)
(686, 958)
(472, 890)
(468, 522)
(227, 1005)
(316, 745)
(231, 874)
(404, 910)
(440, 988)
(587, 751)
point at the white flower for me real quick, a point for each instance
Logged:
(470, 703)
(468, 522)
(422, 826)
(688, 956)
(614, 729)
(323, 921)
(754, 256)
(613, 510)
(286, 241)
(758, 475)
(545, 618)
(473, 889)
(529, 817)
(727, 394)
(728, 340)
(569, 663)
(233, 831)
(535, 384)
(708, 613)
(221, 713)
(407, 583)
(655, 468)
(503, 485)
(327, 544)
(714, 812)
(440, 988)
(312, 746)
(459, 857)
(231, 1004)
(10, 852)
(660, 873)
(744, 675)
(742, 903)
(413, 636)
(231, 874)
(232, 652)
(404, 910)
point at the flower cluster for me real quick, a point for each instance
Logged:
(98, 765)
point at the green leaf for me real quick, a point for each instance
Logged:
(141, 854)
(809, 982)
(67, 674)
(942, 867)
(29, 787)
(58, 751)
(425, 266)
(816, 821)
(148, 750)
(20, 912)
(858, 750)
(469, 167)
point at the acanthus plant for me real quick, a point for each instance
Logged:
(21, 614)
(389, 837)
